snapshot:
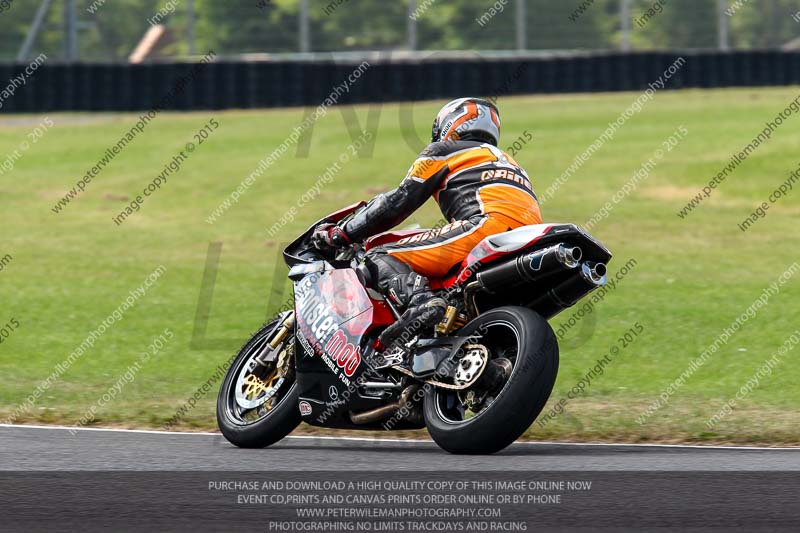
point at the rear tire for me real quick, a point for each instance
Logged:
(281, 420)
(523, 396)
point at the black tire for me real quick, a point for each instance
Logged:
(278, 422)
(521, 399)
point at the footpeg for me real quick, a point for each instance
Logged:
(385, 360)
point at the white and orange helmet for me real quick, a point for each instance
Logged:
(468, 119)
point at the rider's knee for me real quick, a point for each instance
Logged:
(394, 279)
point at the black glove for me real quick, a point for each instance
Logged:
(329, 237)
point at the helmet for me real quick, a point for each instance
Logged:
(467, 119)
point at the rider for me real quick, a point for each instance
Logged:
(480, 190)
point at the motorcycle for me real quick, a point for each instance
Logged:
(476, 380)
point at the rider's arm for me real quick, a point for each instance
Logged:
(389, 209)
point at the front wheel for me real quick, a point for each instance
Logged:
(257, 403)
(488, 417)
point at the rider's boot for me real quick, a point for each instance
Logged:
(425, 309)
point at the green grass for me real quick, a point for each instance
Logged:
(693, 278)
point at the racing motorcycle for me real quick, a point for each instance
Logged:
(476, 380)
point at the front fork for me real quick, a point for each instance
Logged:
(270, 352)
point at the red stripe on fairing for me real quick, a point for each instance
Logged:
(443, 283)
(382, 315)
(496, 253)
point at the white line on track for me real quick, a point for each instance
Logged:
(364, 439)
(120, 430)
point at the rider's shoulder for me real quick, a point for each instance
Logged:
(445, 148)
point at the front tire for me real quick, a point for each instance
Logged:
(264, 424)
(523, 337)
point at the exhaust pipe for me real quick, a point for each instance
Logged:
(385, 411)
(530, 267)
(594, 273)
(589, 277)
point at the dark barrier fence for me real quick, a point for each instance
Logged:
(224, 85)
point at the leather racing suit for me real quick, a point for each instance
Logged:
(480, 190)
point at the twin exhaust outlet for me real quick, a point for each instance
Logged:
(539, 268)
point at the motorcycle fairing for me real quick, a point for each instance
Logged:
(296, 252)
(334, 316)
(333, 311)
(508, 242)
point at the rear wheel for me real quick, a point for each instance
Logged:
(493, 413)
(257, 403)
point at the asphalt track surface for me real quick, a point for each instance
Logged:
(52, 479)
(59, 449)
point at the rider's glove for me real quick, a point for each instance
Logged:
(329, 236)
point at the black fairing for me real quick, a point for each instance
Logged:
(570, 234)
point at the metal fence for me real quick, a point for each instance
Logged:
(109, 30)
